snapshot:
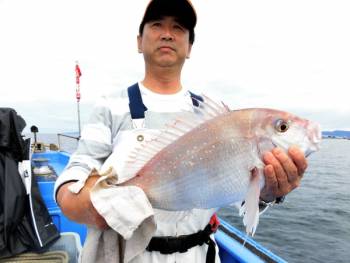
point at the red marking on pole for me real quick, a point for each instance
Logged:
(77, 73)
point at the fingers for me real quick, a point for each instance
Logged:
(299, 159)
(280, 168)
(270, 190)
(273, 159)
(286, 168)
(283, 172)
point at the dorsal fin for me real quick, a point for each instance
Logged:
(206, 110)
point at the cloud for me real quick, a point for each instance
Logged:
(52, 117)
(280, 54)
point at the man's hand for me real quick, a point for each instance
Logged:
(78, 207)
(283, 172)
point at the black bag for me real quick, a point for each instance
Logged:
(25, 224)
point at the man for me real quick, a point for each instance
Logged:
(166, 35)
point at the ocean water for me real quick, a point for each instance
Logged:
(313, 224)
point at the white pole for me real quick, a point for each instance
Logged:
(78, 118)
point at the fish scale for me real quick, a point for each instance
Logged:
(209, 164)
(195, 167)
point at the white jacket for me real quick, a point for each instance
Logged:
(126, 209)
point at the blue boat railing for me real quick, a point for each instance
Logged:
(236, 246)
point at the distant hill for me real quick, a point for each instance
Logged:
(336, 134)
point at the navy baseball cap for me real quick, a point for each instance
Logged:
(183, 10)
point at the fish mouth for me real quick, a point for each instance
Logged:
(315, 136)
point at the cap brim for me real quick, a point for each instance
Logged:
(181, 9)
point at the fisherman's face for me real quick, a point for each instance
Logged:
(164, 42)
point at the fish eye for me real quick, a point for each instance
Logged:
(281, 125)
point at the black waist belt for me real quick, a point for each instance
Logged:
(169, 244)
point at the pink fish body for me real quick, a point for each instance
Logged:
(206, 158)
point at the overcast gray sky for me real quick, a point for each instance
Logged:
(289, 55)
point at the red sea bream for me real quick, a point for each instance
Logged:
(206, 159)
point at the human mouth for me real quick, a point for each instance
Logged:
(166, 48)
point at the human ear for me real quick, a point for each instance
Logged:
(139, 42)
(189, 51)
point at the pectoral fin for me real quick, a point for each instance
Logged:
(250, 208)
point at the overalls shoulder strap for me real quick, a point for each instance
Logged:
(137, 108)
(195, 98)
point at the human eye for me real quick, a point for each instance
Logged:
(179, 27)
(156, 24)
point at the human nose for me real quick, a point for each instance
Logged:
(166, 35)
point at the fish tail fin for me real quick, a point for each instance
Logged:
(250, 209)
